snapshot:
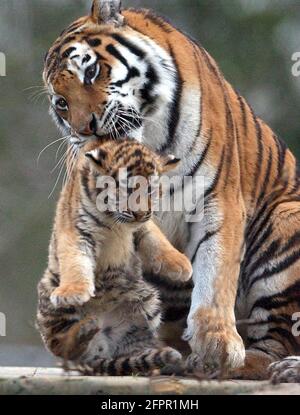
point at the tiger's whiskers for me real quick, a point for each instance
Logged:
(63, 139)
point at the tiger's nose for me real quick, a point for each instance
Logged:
(90, 128)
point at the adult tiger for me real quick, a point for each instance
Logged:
(132, 72)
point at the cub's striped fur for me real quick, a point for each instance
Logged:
(95, 308)
(115, 72)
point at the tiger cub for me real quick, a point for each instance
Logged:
(104, 317)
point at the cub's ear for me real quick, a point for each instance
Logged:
(107, 12)
(169, 163)
(98, 158)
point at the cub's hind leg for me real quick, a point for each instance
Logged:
(64, 330)
(270, 281)
(131, 330)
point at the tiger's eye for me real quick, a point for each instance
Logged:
(61, 104)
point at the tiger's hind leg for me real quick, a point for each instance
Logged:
(270, 281)
(260, 365)
(256, 366)
(286, 370)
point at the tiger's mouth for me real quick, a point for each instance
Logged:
(117, 126)
(79, 141)
(116, 134)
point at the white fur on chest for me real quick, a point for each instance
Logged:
(174, 227)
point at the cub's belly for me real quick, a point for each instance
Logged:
(113, 326)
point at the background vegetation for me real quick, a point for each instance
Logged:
(253, 41)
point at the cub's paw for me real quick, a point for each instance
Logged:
(173, 265)
(286, 370)
(73, 294)
(216, 346)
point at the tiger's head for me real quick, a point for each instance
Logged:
(104, 77)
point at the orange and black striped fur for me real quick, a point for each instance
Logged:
(95, 308)
(131, 72)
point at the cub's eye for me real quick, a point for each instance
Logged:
(91, 73)
(61, 104)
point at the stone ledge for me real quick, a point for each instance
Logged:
(40, 381)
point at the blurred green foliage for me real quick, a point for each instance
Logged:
(252, 40)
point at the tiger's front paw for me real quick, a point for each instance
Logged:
(72, 294)
(173, 265)
(216, 345)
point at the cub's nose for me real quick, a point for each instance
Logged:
(90, 128)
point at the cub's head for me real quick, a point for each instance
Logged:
(128, 169)
(104, 77)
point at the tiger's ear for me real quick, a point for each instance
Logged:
(169, 163)
(107, 12)
(98, 159)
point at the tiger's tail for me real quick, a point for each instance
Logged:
(143, 363)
